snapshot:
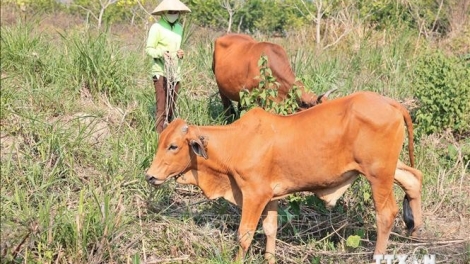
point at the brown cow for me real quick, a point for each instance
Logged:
(263, 157)
(235, 66)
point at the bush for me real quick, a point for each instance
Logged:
(443, 90)
(384, 14)
(265, 94)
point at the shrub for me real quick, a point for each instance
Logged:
(384, 14)
(443, 90)
(264, 95)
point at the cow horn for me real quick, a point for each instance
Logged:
(325, 95)
(184, 129)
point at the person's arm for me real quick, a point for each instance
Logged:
(153, 49)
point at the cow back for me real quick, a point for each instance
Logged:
(235, 65)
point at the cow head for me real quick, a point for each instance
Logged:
(308, 100)
(176, 154)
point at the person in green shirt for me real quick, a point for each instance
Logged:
(163, 46)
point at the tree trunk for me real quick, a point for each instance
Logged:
(318, 21)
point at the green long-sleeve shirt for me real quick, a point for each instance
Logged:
(163, 37)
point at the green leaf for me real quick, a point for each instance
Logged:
(285, 215)
(353, 241)
(136, 259)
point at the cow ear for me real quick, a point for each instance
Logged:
(198, 148)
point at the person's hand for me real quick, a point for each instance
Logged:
(180, 54)
(166, 55)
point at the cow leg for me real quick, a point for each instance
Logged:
(269, 219)
(386, 209)
(410, 180)
(228, 106)
(251, 213)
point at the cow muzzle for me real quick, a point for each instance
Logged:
(153, 181)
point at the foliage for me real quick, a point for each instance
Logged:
(433, 16)
(35, 5)
(207, 13)
(353, 241)
(265, 94)
(442, 87)
(282, 16)
(384, 14)
(250, 16)
(425, 15)
(267, 17)
(108, 12)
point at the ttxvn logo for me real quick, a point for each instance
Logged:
(405, 259)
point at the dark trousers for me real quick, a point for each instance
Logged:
(161, 94)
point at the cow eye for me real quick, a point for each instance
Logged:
(172, 147)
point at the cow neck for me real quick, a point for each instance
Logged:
(213, 176)
(220, 140)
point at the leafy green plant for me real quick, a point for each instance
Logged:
(359, 200)
(442, 87)
(353, 241)
(384, 14)
(265, 94)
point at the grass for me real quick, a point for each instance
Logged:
(77, 134)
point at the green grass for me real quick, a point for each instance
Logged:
(77, 130)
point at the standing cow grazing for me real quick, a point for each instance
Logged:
(263, 157)
(235, 66)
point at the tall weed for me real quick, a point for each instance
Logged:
(377, 62)
(21, 48)
(97, 65)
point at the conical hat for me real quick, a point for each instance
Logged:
(170, 5)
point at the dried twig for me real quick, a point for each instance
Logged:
(141, 229)
(168, 260)
(17, 249)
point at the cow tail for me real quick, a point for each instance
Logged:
(408, 214)
(409, 126)
(213, 63)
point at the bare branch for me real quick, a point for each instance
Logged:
(437, 15)
(88, 10)
(231, 10)
(143, 8)
(345, 19)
